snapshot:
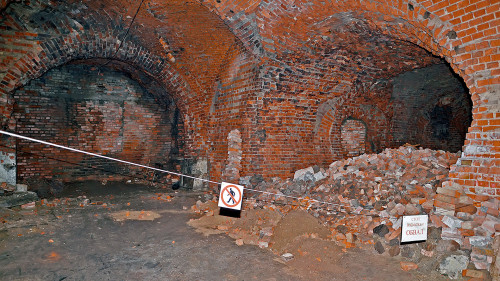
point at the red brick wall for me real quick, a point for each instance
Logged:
(76, 31)
(291, 58)
(465, 33)
(100, 111)
(332, 114)
(353, 133)
(235, 92)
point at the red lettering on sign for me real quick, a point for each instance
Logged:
(414, 232)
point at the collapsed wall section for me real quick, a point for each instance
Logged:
(302, 54)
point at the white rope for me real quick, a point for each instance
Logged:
(156, 169)
(102, 156)
(170, 172)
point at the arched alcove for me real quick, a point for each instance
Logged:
(95, 109)
(433, 108)
(353, 134)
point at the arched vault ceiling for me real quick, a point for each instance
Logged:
(184, 34)
(349, 44)
(367, 33)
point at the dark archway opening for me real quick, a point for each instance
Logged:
(432, 108)
(96, 109)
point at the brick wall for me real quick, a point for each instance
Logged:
(353, 134)
(464, 33)
(52, 34)
(286, 74)
(357, 106)
(235, 92)
(96, 110)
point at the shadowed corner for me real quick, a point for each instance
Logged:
(229, 212)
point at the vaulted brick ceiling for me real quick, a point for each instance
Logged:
(196, 38)
(270, 68)
(342, 43)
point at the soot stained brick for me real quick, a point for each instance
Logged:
(102, 112)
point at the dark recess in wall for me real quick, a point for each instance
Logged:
(101, 111)
(433, 108)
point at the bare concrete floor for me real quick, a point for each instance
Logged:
(69, 242)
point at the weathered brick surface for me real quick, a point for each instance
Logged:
(464, 33)
(57, 34)
(286, 74)
(97, 111)
(353, 134)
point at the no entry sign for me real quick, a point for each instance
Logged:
(230, 196)
(414, 228)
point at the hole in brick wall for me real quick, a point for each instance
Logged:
(452, 34)
(99, 110)
(433, 108)
(353, 134)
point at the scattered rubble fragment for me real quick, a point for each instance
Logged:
(362, 201)
(135, 215)
(6, 188)
(287, 257)
(18, 199)
(407, 265)
(453, 266)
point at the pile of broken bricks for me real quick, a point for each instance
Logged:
(364, 198)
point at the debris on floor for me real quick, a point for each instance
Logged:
(362, 200)
(135, 215)
(17, 199)
(84, 243)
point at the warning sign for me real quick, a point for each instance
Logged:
(230, 196)
(414, 228)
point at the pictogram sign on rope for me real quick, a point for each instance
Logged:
(230, 196)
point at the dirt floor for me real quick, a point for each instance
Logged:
(133, 232)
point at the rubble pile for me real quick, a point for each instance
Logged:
(363, 199)
(407, 177)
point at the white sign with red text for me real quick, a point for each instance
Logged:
(414, 228)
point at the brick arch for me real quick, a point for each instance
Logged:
(467, 42)
(58, 51)
(330, 117)
(130, 58)
(464, 33)
(260, 25)
(354, 136)
(84, 30)
(55, 33)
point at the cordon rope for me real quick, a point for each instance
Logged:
(155, 169)
(174, 173)
(102, 156)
